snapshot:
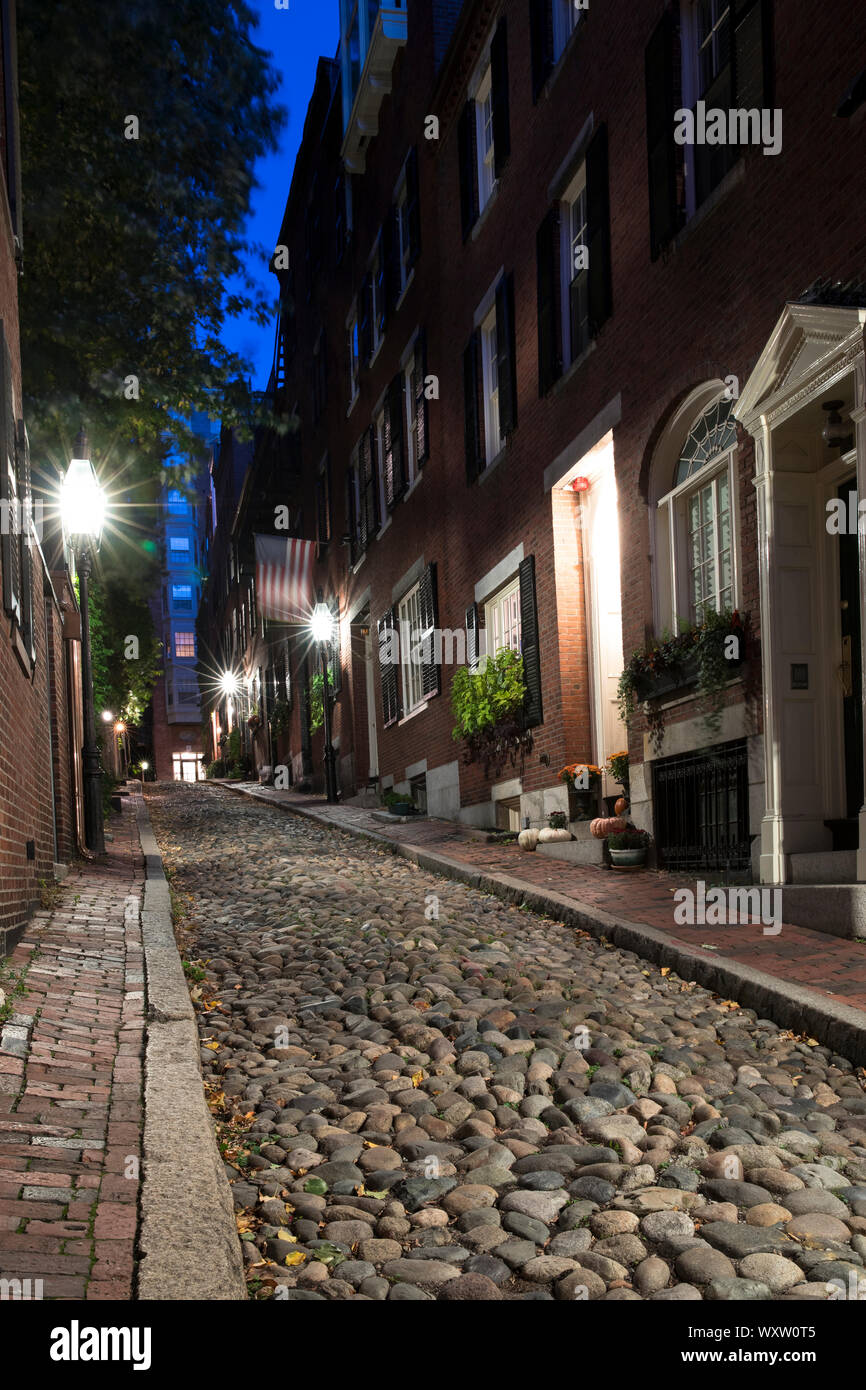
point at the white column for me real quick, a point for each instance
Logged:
(772, 845)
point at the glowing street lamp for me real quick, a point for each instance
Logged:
(322, 632)
(82, 511)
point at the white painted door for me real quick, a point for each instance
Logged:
(601, 561)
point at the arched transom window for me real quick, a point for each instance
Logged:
(696, 533)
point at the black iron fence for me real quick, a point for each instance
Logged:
(701, 803)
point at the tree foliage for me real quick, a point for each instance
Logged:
(134, 248)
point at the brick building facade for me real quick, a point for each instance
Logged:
(529, 336)
(40, 704)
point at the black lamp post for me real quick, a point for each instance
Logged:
(323, 632)
(82, 506)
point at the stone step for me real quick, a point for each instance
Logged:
(588, 851)
(836, 909)
(824, 866)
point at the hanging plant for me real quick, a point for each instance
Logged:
(487, 704)
(280, 718)
(704, 654)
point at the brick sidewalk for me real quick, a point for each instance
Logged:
(71, 1084)
(829, 965)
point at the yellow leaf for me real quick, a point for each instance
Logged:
(417, 1078)
(666, 970)
(297, 1257)
(212, 1046)
(812, 1042)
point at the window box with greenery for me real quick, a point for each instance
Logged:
(706, 654)
(488, 706)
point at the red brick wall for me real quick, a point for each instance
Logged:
(702, 311)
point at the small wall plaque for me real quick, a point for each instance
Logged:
(799, 675)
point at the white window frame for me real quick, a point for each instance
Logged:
(575, 194)
(673, 538)
(411, 673)
(493, 441)
(179, 545)
(498, 619)
(181, 655)
(177, 602)
(486, 155)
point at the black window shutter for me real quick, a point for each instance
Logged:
(549, 302)
(388, 668)
(499, 93)
(369, 484)
(472, 636)
(532, 708)
(753, 54)
(541, 43)
(473, 420)
(28, 630)
(9, 547)
(431, 671)
(421, 403)
(413, 205)
(391, 258)
(365, 328)
(506, 355)
(598, 231)
(468, 170)
(661, 85)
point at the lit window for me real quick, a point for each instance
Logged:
(179, 545)
(502, 619)
(409, 614)
(184, 644)
(177, 503)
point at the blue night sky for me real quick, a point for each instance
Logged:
(297, 38)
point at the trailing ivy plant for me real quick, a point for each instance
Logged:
(280, 718)
(487, 704)
(709, 642)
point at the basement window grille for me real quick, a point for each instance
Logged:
(701, 803)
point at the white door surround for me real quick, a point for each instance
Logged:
(815, 353)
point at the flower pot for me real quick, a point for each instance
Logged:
(401, 808)
(628, 858)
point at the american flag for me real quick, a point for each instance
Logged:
(284, 578)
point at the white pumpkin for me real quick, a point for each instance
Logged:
(528, 839)
(549, 836)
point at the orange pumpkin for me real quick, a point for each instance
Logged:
(606, 825)
(620, 806)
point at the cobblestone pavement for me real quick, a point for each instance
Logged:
(424, 1092)
(828, 964)
(71, 1045)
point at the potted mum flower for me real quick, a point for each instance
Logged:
(628, 848)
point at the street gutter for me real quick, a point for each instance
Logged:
(836, 1025)
(188, 1242)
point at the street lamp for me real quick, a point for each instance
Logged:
(82, 510)
(322, 630)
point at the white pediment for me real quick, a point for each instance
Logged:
(804, 347)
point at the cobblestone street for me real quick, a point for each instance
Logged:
(423, 1092)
